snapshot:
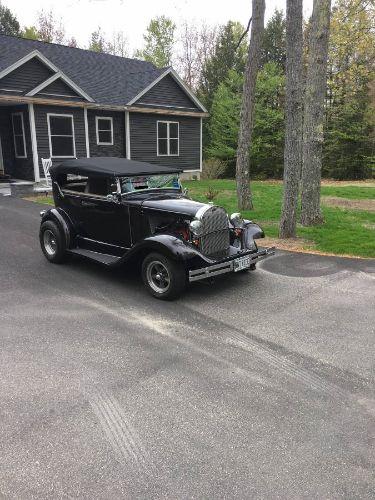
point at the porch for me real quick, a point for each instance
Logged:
(16, 155)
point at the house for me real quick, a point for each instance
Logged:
(62, 102)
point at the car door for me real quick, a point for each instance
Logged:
(103, 219)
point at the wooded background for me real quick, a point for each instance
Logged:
(212, 60)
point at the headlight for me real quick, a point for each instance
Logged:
(195, 227)
(236, 219)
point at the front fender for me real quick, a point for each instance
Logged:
(63, 221)
(168, 245)
(252, 230)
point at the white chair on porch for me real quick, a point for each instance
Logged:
(47, 164)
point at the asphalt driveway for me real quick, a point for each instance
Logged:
(259, 386)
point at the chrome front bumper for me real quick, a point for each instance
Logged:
(227, 266)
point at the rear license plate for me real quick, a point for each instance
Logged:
(241, 263)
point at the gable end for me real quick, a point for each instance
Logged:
(25, 77)
(167, 93)
(58, 88)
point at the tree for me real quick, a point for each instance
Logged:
(72, 42)
(226, 56)
(267, 141)
(97, 41)
(159, 40)
(247, 108)
(267, 145)
(30, 32)
(313, 126)
(224, 123)
(8, 22)
(293, 118)
(348, 149)
(49, 29)
(273, 46)
(118, 46)
(197, 44)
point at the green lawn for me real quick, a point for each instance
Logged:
(345, 232)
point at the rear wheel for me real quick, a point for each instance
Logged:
(163, 278)
(52, 242)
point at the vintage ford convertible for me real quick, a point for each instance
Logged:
(114, 210)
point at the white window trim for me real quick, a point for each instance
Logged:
(168, 122)
(110, 119)
(61, 135)
(19, 113)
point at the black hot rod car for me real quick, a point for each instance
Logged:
(112, 210)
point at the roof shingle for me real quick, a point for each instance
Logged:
(109, 80)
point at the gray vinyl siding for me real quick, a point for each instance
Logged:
(143, 142)
(118, 147)
(19, 168)
(41, 127)
(58, 87)
(26, 77)
(167, 93)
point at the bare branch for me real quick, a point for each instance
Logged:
(244, 33)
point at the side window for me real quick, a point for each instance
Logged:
(19, 135)
(168, 138)
(98, 186)
(73, 183)
(104, 130)
(61, 136)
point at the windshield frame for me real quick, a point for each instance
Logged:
(148, 190)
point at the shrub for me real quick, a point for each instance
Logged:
(212, 169)
(211, 193)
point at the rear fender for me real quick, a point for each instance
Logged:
(61, 218)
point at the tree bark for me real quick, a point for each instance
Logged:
(293, 118)
(315, 93)
(247, 109)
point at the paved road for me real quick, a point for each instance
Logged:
(260, 386)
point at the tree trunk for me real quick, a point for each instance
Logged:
(315, 93)
(293, 118)
(247, 109)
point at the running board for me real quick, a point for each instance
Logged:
(103, 258)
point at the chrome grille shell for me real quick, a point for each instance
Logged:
(215, 238)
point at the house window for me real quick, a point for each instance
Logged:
(104, 130)
(19, 135)
(168, 138)
(61, 136)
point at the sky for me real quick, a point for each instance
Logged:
(82, 17)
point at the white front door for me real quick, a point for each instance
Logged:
(1, 160)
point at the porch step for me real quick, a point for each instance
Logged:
(108, 260)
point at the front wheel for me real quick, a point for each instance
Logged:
(163, 278)
(52, 242)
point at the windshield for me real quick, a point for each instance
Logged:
(145, 182)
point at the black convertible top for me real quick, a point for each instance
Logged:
(110, 166)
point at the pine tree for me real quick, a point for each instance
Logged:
(9, 24)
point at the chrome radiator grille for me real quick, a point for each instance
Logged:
(215, 232)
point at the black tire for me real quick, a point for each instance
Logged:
(52, 242)
(172, 280)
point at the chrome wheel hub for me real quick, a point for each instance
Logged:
(49, 242)
(158, 276)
